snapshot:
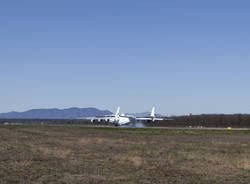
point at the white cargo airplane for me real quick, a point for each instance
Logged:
(123, 119)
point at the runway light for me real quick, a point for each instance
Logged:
(229, 128)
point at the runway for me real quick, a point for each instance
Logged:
(161, 127)
(134, 125)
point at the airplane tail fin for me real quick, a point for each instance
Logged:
(117, 111)
(153, 112)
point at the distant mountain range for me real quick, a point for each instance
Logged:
(70, 113)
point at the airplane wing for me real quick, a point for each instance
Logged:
(149, 118)
(143, 118)
(152, 117)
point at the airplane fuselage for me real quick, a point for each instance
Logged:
(122, 120)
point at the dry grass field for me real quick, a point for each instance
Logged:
(68, 154)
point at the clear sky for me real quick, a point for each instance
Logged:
(177, 55)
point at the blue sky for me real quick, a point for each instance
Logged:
(179, 56)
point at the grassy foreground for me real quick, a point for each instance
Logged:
(65, 154)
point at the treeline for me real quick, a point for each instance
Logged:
(208, 120)
(44, 121)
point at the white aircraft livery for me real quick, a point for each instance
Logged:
(151, 117)
(123, 119)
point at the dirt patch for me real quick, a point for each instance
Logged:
(89, 155)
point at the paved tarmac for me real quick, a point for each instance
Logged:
(150, 127)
